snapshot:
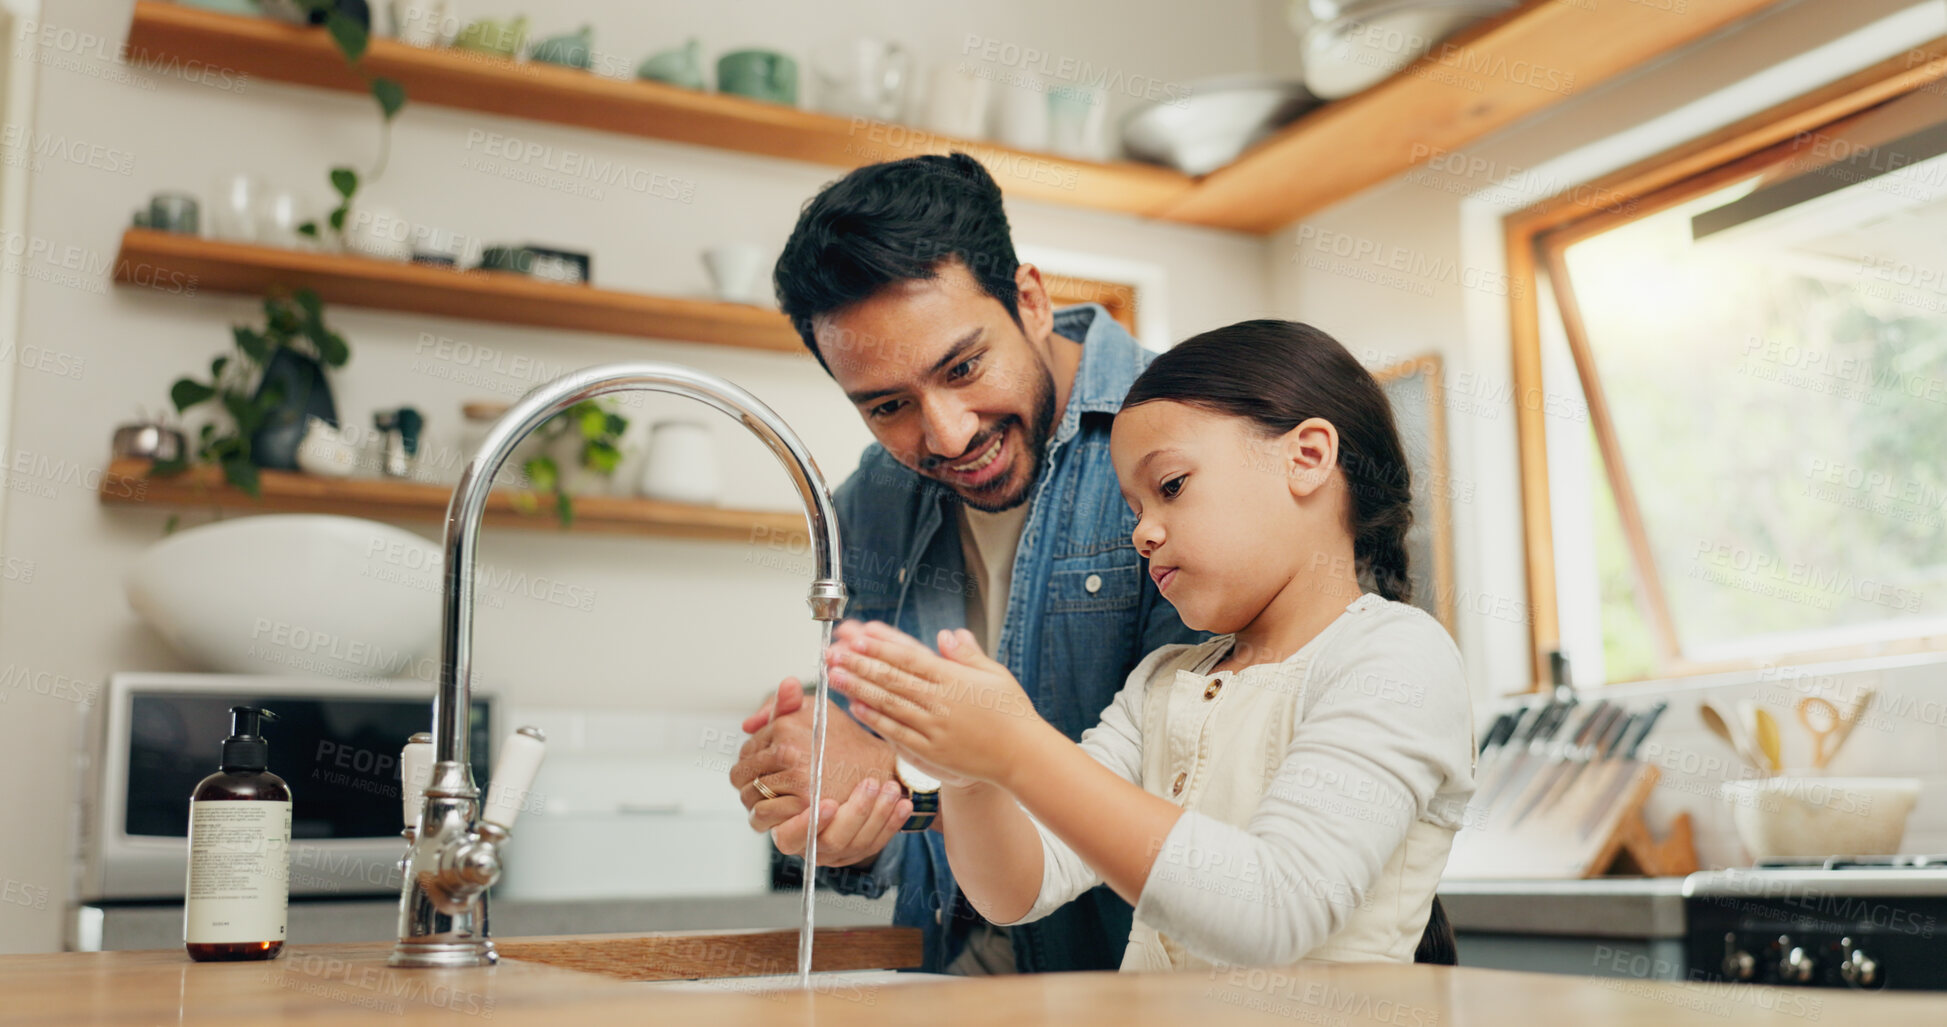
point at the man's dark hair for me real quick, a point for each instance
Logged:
(894, 222)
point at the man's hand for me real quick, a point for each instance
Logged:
(858, 830)
(779, 752)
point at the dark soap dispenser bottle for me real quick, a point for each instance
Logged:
(238, 893)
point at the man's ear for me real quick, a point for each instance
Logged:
(1037, 309)
(1310, 452)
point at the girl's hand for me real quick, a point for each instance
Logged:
(959, 711)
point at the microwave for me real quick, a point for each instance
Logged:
(335, 742)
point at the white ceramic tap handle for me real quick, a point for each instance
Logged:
(415, 770)
(520, 759)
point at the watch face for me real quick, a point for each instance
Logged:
(917, 779)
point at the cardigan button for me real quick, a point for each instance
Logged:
(1176, 787)
(1093, 583)
(1210, 691)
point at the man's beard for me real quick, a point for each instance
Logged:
(1035, 436)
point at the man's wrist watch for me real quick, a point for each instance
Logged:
(924, 790)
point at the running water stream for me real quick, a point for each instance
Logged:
(818, 705)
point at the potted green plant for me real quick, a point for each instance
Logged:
(589, 433)
(245, 397)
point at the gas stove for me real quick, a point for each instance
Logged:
(1863, 922)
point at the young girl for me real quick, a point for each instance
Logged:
(1288, 789)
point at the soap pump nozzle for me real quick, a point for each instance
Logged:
(246, 749)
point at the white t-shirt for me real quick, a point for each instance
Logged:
(989, 542)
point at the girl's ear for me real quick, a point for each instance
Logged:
(1311, 451)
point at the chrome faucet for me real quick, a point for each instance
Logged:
(454, 841)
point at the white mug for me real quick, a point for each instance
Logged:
(1023, 114)
(960, 101)
(327, 451)
(282, 212)
(735, 271)
(424, 22)
(1078, 120)
(378, 232)
(682, 466)
(864, 78)
(237, 209)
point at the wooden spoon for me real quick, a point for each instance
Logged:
(1720, 726)
(1847, 721)
(1764, 730)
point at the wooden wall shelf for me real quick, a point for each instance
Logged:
(498, 296)
(127, 483)
(1534, 57)
(471, 81)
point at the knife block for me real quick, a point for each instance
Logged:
(1553, 845)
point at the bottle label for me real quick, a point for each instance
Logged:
(239, 872)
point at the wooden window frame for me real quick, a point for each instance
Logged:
(1118, 298)
(1535, 237)
(1441, 575)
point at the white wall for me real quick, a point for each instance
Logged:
(702, 627)
(1414, 266)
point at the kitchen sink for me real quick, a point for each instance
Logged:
(827, 982)
(746, 959)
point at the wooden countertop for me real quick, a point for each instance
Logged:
(349, 983)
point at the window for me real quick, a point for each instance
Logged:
(1753, 334)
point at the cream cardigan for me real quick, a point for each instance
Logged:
(1321, 794)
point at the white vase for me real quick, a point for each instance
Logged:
(736, 271)
(959, 102)
(682, 465)
(1022, 120)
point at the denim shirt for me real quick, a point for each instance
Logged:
(1081, 613)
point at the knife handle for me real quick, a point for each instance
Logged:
(1561, 714)
(1609, 746)
(1643, 731)
(1496, 735)
(1590, 743)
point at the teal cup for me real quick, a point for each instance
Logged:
(760, 75)
(572, 50)
(682, 66)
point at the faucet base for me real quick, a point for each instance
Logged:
(444, 954)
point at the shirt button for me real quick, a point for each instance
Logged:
(1176, 787)
(1210, 691)
(902, 575)
(1093, 584)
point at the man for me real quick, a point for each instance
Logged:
(987, 502)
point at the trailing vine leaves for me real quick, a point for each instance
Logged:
(351, 39)
(600, 431)
(295, 322)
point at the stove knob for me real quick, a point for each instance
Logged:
(1738, 965)
(1796, 965)
(1857, 968)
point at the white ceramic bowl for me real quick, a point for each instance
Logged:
(1217, 121)
(1820, 817)
(293, 594)
(1370, 42)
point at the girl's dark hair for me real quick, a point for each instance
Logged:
(1280, 373)
(1437, 945)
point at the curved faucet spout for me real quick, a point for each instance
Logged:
(469, 504)
(453, 847)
